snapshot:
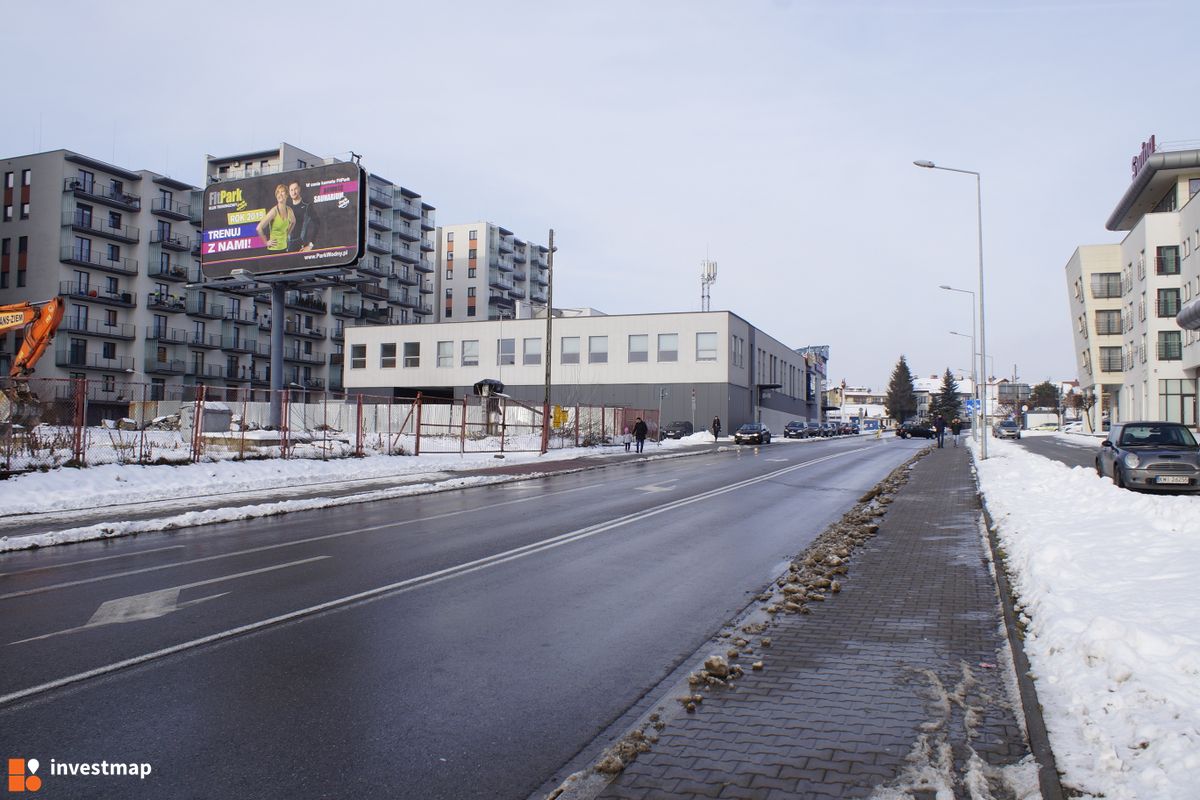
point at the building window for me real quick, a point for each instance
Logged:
(471, 253)
(532, 351)
(445, 354)
(26, 177)
(597, 349)
(1166, 262)
(8, 212)
(450, 259)
(471, 272)
(706, 347)
(737, 350)
(1177, 401)
(449, 294)
(449, 236)
(449, 273)
(639, 348)
(570, 350)
(506, 352)
(470, 353)
(387, 355)
(8, 180)
(1111, 360)
(1106, 284)
(668, 347)
(109, 350)
(24, 210)
(110, 383)
(472, 235)
(1168, 302)
(358, 356)
(1170, 346)
(1108, 322)
(412, 354)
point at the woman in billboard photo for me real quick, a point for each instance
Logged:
(274, 227)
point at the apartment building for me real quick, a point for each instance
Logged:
(696, 364)
(485, 270)
(1133, 358)
(121, 247)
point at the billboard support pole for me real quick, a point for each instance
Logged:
(278, 291)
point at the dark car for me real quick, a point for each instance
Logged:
(754, 432)
(795, 430)
(1007, 429)
(1150, 456)
(829, 429)
(919, 430)
(677, 429)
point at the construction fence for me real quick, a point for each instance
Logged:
(47, 423)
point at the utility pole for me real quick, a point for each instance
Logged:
(549, 341)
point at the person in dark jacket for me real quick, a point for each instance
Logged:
(939, 427)
(302, 235)
(639, 433)
(716, 428)
(956, 429)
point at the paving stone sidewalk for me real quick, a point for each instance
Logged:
(898, 686)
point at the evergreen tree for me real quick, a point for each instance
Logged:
(947, 402)
(901, 400)
(1044, 395)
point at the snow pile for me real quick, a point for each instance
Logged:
(1109, 582)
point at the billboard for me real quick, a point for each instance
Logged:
(300, 220)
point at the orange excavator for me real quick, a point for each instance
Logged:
(40, 321)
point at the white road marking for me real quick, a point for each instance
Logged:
(159, 603)
(90, 560)
(417, 582)
(657, 487)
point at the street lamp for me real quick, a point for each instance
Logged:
(982, 336)
(974, 382)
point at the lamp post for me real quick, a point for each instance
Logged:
(982, 335)
(974, 382)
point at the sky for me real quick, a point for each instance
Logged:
(773, 137)
(1110, 632)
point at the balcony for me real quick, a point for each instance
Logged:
(408, 232)
(161, 333)
(500, 300)
(93, 258)
(377, 244)
(505, 245)
(336, 359)
(498, 281)
(426, 287)
(296, 354)
(542, 279)
(425, 265)
(404, 298)
(404, 276)
(379, 197)
(73, 290)
(428, 246)
(520, 276)
(93, 327)
(502, 264)
(349, 310)
(377, 316)
(165, 302)
(92, 223)
(423, 308)
(172, 241)
(537, 297)
(173, 366)
(207, 341)
(202, 371)
(237, 344)
(379, 222)
(238, 373)
(315, 384)
(259, 378)
(408, 208)
(517, 293)
(168, 271)
(296, 329)
(241, 317)
(373, 291)
(90, 190)
(369, 268)
(338, 335)
(297, 299)
(427, 223)
(205, 310)
(75, 359)
(171, 209)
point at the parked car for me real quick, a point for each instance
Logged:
(795, 430)
(754, 432)
(829, 429)
(677, 429)
(919, 430)
(1007, 429)
(1150, 456)
(815, 430)
(1046, 426)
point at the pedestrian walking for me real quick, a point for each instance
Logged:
(627, 438)
(939, 427)
(956, 429)
(716, 428)
(639, 433)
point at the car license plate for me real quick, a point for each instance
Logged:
(1171, 479)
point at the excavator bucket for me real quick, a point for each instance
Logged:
(18, 406)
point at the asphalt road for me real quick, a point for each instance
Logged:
(454, 645)
(1074, 451)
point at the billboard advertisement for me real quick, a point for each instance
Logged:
(301, 220)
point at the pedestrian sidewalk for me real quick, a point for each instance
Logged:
(900, 685)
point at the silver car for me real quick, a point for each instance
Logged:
(1151, 456)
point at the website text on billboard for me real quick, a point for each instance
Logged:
(300, 220)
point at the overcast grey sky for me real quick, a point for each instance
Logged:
(775, 137)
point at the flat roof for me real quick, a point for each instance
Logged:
(1153, 181)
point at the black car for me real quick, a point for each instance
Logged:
(829, 429)
(919, 430)
(754, 432)
(1151, 456)
(795, 430)
(677, 429)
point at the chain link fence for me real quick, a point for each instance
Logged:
(47, 423)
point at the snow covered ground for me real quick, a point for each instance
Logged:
(1108, 580)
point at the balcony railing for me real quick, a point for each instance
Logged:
(238, 344)
(297, 299)
(74, 289)
(162, 333)
(379, 245)
(404, 276)
(408, 232)
(380, 197)
(82, 360)
(341, 309)
(94, 327)
(211, 341)
(171, 208)
(423, 308)
(171, 366)
(93, 223)
(169, 271)
(377, 315)
(310, 331)
(408, 208)
(379, 222)
(171, 241)
(424, 265)
(93, 258)
(165, 302)
(296, 354)
(208, 310)
(104, 194)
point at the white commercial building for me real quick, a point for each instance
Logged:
(693, 365)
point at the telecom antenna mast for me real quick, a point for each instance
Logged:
(708, 276)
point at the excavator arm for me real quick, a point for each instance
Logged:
(40, 321)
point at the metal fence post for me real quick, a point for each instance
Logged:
(417, 447)
(198, 423)
(79, 434)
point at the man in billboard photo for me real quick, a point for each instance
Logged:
(278, 222)
(304, 234)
